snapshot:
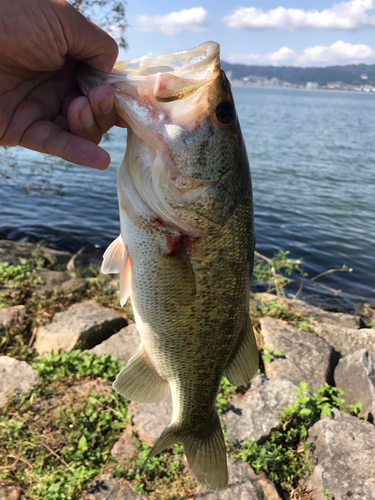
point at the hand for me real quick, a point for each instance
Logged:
(41, 106)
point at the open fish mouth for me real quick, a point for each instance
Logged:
(168, 102)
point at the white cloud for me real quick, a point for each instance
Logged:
(344, 16)
(194, 19)
(337, 53)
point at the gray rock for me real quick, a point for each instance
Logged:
(344, 449)
(243, 484)
(320, 315)
(366, 310)
(12, 251)
(74, 285)
(12, 315)
(347, 341)
(15, 377)
(305, 356)
(255, 414)
(150, 419)
(122, 345)
(123, 450)
(49, 280)
(106, 487)
(355, 375)
(84, 321)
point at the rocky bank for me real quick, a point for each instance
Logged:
(338, 349)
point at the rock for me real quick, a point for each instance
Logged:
(87, 261)
(366, 310)
(320, 315)
(355, 375)
(121, 345)
(255, 414)
(12, 251)
(123, 450)
(150, 419)
(305, 356)
(243, 484)
(106, 487)
(269, 489)
(344, 449)
(84, 321)
(49, 280)
(15, 376)
(74, 285)
(12, 315)
(10, 491)
(347, 341)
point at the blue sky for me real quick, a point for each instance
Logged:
(278, 32)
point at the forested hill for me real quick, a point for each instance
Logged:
(351, 74)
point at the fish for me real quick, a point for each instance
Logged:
(186, 248)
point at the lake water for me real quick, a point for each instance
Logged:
(312, 157)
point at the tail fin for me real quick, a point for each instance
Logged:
(206, 455)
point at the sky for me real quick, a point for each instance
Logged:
(257, 32)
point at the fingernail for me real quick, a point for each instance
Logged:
(106, 105)
(86, 117)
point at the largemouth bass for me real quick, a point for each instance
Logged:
(185, 252)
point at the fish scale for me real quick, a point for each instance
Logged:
(185, 253)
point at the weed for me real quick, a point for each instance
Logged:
(284, 456)
(225, 392)
(58, 437)
(270, 355)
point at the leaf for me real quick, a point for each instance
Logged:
(305, 411)
(326, 409)
(82, 444)
(303, 386)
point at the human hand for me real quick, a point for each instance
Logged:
(41, 106)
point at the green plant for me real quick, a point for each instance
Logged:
(271, 354)
(284, 455)
(58, 437)
(77, 363)
(225, 392)
(327, 495)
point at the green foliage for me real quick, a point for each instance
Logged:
(270, 355)
(58, 437)
(225, 392)
(77, 363)
(284, 455)
(271, 271)
(16, 275)
(327, 495)
(278, 309)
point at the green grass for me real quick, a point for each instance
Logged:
(55, 439)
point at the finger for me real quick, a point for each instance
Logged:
(86, 41)
(81, 120)
(66, 102)
(47, 137)
(62, 122)
(103, 106)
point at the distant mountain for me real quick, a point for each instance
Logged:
(351, 74)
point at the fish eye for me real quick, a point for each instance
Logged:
(225, 113)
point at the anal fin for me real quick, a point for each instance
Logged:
(245, 363)
(139, 381)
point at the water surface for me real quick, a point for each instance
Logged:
(312, 157)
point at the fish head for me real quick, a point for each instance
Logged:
(184, 140)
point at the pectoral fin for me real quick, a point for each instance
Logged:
(114, 257)
(139, 381)
(244, 365)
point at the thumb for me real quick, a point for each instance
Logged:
(86, 41)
